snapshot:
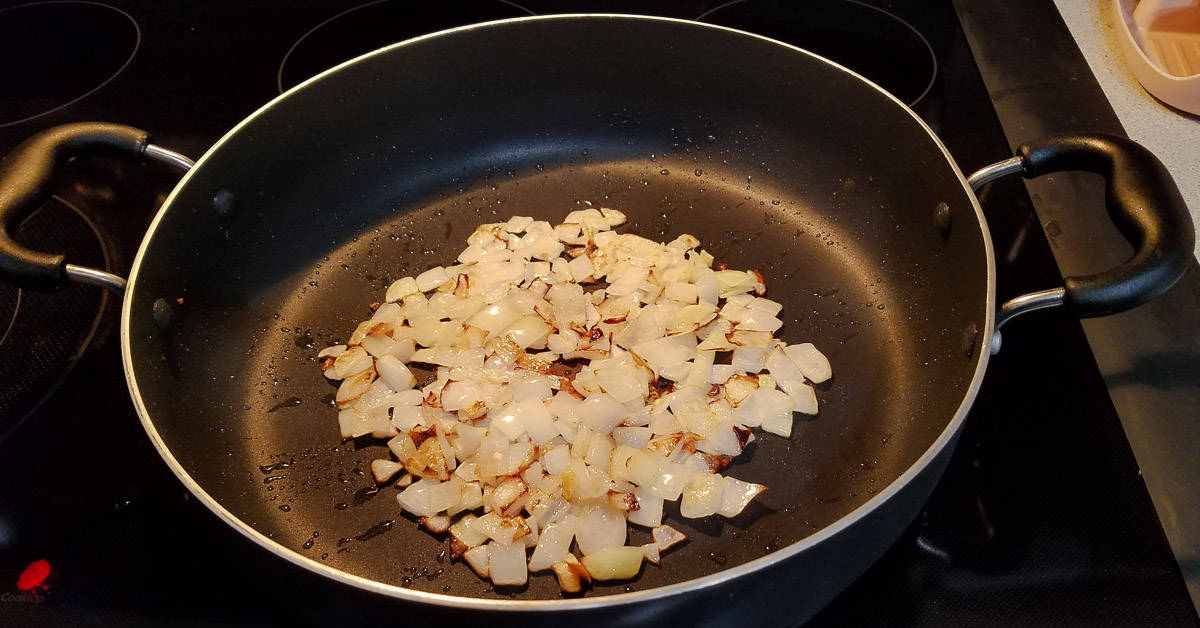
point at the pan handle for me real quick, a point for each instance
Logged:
(1144, 204)
(27, 178)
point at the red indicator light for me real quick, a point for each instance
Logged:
(34, 576)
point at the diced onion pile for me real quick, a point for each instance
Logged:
(577, 388)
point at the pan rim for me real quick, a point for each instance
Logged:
(928, 457)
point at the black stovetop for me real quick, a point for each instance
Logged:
(1041, 518)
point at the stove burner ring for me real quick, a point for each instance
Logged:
(50, 80)
(434, 17)
(43, 335)
(778, 28)
(12, 319)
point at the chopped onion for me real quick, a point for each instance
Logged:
(558, 415)
(668, 351)
(702, 497)
(477, 558)
(401, 288)
(394, 373)
(432, 278)
(736, 495)
(383, 470)
(650, 509)
(600, 527)
(571, 574)
(601, 412)
(350, 362)
(667, 537)
(554, 544)
(332, 352)
(506, 564)
(614, 563)
(811, 362)
(651, 553)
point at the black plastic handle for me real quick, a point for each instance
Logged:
(1144, 204)
(27, 177)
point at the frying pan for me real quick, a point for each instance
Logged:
(858, 218)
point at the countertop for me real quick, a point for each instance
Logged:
(1171, 134)
(1049, 68)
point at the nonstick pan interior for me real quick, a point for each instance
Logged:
(776, 160)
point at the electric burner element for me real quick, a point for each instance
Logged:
(376, 24)
(882, 47)
(38, 77)
(42, 334)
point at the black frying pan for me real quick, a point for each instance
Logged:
(776, 159)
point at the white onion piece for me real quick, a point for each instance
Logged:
(354, 387)
(529, 331)
(383, 470)
(379, 345)
(810, 361)
(648, 324)
(495, 318)
(581, 268)
(651, 553)
(667, 537)
(612, 217)
(683, 292)
(783, 369)
(499, 529)
(635, 437)
(537, 420)
(621, 382)
(668, 351)
(721, 440)
(445, 495)
(350, 362)
(508, 421)
(394, 373)
(689, 318)
(459, 395)
(477, 559)
(708, 289)
(736, 495)
(554, 544)
(353, 423)
(650, 509)
(702, 366)
(601, 412)
(432, 278)
(556, 459)
(405, 418)
(804, 398)
(537, 388)
(731, 282)
(401, 288)
(332, 352)
(465, 533)
(702, 497)
(760, 322)
(614, 563)
(720, 373)
(769, 408)
(417, 498)
(748, 359)
(517, 224)
(506, 564)
(600, 527)
(390, 313)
